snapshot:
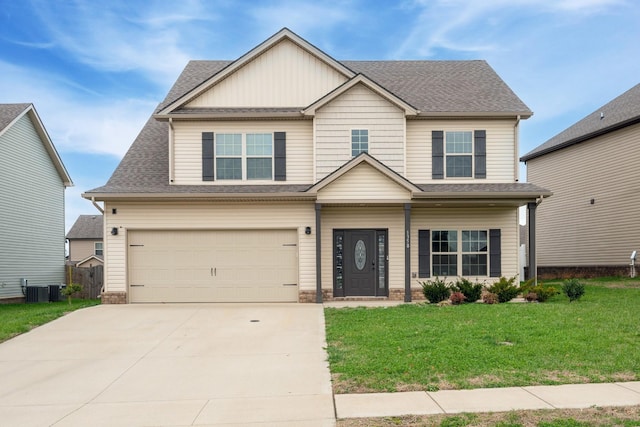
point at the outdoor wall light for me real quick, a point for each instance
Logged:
(114, 231)
(307, 230)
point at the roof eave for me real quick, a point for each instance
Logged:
(196, 196)
(476, 195)
(577, 140)
(523, 115)
(230, 115)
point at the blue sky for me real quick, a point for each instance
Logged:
(96, 70)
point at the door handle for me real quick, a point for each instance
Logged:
(214, 271)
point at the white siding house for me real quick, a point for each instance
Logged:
(32, 184)
(287, 175)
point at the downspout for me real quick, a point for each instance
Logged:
(93, 200)
(516, 139)
(171, 138)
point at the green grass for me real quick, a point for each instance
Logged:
(426, 347)
(16, 319)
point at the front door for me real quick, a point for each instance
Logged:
(360, 263)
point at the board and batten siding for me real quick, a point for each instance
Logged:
(501, 154)
(359, 108)
(385, 218)
(571, 231)
(284, 76)
(31, 213)
(505, 219)
(364, 182)
(187, 149)
(206, 216)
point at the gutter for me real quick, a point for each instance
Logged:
(93, 201)
(516, 141)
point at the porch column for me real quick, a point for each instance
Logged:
(407, 252)
(318, 253)
(531, 221)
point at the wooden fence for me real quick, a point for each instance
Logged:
(91, 279)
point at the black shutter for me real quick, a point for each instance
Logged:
(207, 156)
(495, 257)
(424, 253)
(480, 152)
(437, 154)
(280, 156)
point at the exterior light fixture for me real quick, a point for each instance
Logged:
(307, 230)
(114, 231)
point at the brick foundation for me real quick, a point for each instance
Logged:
(114, 298)
(327, 295)
(14, 300)
(583, 272)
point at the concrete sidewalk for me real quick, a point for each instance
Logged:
(568, 396)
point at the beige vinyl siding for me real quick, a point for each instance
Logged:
(505, 219)
(206, 216)
(31, 213)
(390, 218)
(364, 183)
(570, 231)
(358, 108)
(188, 149)
(81, 249)
(283, 76)
(501, 152)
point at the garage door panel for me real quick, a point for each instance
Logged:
(213, 266)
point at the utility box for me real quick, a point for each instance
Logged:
(55, 293)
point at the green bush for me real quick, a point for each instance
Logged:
(436, 290)
(505, 289)
(472, 291)
(573, 288)
(71, 289)
(542, 293)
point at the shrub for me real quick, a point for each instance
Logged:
(505, 289)
(531, 297)
(471, 291)
(436, 290)
(490, 298)
(542, 292)
(457, 298)
(573, 288)
(71, 289)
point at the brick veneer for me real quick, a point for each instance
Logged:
(114, 298)
(583, 272)
(327, 295)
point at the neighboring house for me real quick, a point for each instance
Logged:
(32, 184)
(590, 226)
(85, 241)
(287, 175)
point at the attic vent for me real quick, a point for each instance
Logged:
(601, 115)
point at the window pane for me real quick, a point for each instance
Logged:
(445, 265)
(359, 141)
(458, 166)
(474, 241)
(259, 168)
(228, 144)
(459, 143)
(444, 241)
(228, 168)
(259, 144)
(474, 265)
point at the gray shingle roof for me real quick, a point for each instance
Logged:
(8, 112)
(502, 188)
(86, 227)
(622, 111)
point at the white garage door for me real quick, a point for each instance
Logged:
(213, 266)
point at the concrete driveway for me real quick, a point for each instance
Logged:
(170, 365)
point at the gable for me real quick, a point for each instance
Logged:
(286, 75)
(363, 183)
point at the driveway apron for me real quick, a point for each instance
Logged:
(170, 365)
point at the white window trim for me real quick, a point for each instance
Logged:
(95, 248)
(351, 140)
(472, 154)
(243, 157)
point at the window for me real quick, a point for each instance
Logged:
(244, 156)
(459, 154)
(97, 248)
(470, 253)
(359, 141)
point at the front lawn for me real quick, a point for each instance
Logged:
(426, 347)
(16, 319)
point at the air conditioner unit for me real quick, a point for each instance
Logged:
(54, 293)
(37, 294)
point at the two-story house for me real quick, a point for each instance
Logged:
(85, 239)
(287, 175)
(33, 180)
(589, 227)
